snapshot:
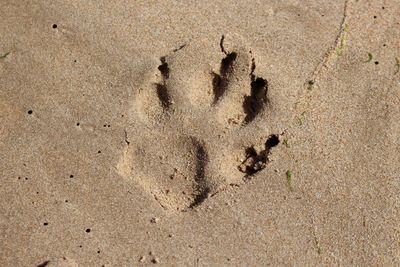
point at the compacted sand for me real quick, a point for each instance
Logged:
(199, 133)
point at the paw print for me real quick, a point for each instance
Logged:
(194, 124)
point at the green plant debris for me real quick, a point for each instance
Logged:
(286, 143)
(301, 118)
(397, 65)
(369, 57)
(340, 47)
(342, 41)
(289, 179)
(4, 55)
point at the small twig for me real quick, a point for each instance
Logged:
(5, 55)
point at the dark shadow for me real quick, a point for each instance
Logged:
(202, 160)
(254, 161)
(227, 64)
(163, 68)
(255, 102)
(273, 140)
(163, 95)
(162, 90)
(220, 81)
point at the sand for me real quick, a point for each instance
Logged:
(200, 133)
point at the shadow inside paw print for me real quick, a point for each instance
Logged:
(192, 129)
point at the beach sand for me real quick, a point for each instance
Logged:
(200, 133)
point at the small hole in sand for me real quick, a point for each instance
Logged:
(71, 176)
(30, 112)
(54, 26)
(376, 62)
(88, 230)
(46, 223)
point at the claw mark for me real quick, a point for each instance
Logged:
(220, 81)
(162, 91)
(179, 48)
(253, 68)
(221, 44)
(257, 160)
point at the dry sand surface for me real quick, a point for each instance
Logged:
(200, 133)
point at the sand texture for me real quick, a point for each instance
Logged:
(200, 133)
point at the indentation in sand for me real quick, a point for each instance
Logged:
(186, 140)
